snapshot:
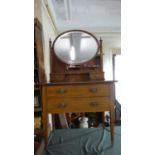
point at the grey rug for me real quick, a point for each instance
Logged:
(92, 141)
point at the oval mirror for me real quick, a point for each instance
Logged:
(75, 47)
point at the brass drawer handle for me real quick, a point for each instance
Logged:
(93, 90)
(93, 104)
(61, 91)
(62, 105)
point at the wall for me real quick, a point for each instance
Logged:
(107, 63)
(111, 43)
(49, 31)
(37, 9)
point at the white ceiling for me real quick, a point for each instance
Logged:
(101, 17)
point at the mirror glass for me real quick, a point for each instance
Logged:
(75, 47)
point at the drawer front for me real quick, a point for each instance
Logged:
(79, 90)
(78, 105)
(97, 75)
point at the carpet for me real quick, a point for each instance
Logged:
(92, 141)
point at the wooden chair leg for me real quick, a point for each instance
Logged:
(103, 119)
(46, 130)
(112, 120)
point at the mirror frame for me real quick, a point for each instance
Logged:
(76, 30)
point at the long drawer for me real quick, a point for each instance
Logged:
(99, 104)
(79, 90)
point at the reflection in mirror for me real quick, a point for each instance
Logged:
(75, 47)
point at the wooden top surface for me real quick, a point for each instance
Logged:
(79, 82)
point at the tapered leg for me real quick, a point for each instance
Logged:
(45, 129)
(44, 115)
(112, 113)
(112, 123)
(103, 118)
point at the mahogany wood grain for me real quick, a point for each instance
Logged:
(78, 104)
(90, 70)
(79, 91)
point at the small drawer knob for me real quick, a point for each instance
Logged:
(61, 91)
(93, 104)
(93, 90)
(61, 105)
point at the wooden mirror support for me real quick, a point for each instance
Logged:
(90, 70)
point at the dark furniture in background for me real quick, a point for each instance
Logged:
(39, 77)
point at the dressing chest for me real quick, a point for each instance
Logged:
(77, 83)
